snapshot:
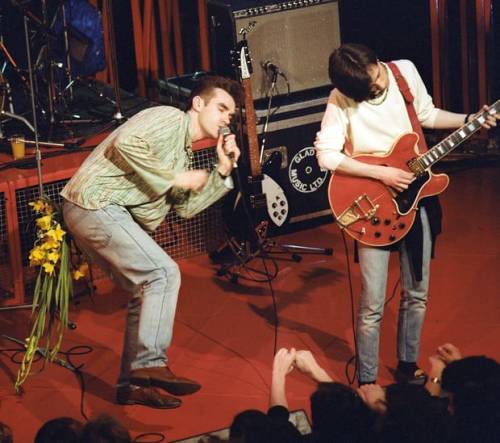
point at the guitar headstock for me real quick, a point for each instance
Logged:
(242, 60)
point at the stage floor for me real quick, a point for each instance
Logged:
(224, 333)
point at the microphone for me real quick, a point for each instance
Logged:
(268, 65)
(225, 131)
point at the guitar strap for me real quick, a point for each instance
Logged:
(408, 98)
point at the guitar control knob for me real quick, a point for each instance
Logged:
(274, 205)
(392, 237)
(282, 203)
(401, 226)
(276, 214)
(377, 234)
(387, 222)
(283, 211)
(375, 221)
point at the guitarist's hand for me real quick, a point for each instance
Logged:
(227, 153)
(394, 177)
(491, 119)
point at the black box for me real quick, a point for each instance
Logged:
(291, 130)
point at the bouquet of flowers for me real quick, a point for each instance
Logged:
(51, 252)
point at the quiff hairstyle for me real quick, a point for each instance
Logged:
(206, 85)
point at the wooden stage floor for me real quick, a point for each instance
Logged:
(224, 333)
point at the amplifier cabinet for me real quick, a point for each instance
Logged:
(296, 36)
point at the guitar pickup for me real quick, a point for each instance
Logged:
(258, 201)
(362, 207)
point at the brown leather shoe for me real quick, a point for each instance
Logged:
(145, 396)
(163, 377)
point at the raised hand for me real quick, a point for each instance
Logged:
(193, 180)
(227, 153)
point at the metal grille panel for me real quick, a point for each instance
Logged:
(179, 237)
(5, 271)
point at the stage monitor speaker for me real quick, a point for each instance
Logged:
(291, 131)
(295, 36)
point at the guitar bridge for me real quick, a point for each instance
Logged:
(362, 207)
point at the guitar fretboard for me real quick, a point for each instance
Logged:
(437, 152)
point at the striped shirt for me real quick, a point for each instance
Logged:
(135, 167)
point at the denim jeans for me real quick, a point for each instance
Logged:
(374, 268)
(121, 248)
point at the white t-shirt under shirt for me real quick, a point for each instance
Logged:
(372, 128)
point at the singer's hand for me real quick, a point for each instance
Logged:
(227, 153)
(193, 180)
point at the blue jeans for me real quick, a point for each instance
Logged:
(121, 248)
(374, 268)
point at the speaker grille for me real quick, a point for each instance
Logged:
(298, 41)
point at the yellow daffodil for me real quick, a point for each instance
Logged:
(48, 243)
(38, 205)
(45, 222)
(57, 233)
(37, 253)
(53, 256)
(81, 271)
(48, 267)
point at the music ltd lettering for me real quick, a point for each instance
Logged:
(304, 173)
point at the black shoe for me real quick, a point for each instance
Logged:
(417, 377)
(145, 396)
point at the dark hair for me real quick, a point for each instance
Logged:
(339, 414)
(5, 433)
(59, 430)
(104, 429)
(469, 371)
(347, 68)
(413, 415)
(251, 426)
(205, 88)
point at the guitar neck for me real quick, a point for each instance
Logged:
(253, 143)
(455, 139)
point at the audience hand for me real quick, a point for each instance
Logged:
(374, 397)
(449, 353)
(307, 364)
(284, 362)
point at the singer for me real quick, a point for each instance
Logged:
(125, 188)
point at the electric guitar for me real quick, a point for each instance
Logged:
(377, 215)
(265, 192)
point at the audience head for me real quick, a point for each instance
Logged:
(339, 414)
(104, 429)
(5, 433)
(474, 387)
(469, 371)
(250, 426)
(59, 430)
(413, 415)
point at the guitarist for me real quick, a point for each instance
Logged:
(366, 113)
